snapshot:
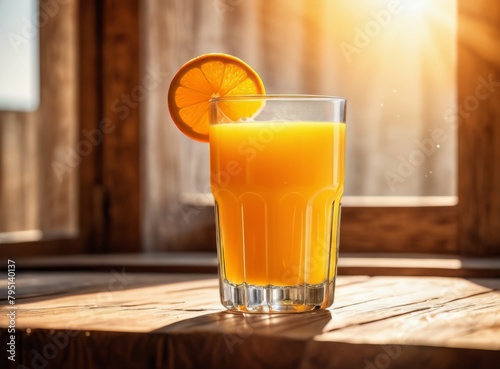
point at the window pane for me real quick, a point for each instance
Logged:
(20, 63)
(39, 152)
(396, 65)
(398, 70)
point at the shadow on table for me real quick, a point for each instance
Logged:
(293, 326)
(237, 340)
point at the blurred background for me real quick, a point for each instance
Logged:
(395, 65)
(87, 148)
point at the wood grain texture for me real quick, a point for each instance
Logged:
(58, 120)
(119, 319)
(169, 38)
(122, 97)
(91, 194)
(19, 179)
(399, 229)
(479, 126)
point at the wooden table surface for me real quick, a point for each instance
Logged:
(119, 319)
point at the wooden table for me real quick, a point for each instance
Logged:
(121, 320)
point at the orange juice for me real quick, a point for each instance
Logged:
(277, 188)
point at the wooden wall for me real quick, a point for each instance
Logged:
(122, 97)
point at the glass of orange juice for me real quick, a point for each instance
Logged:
(277, 179)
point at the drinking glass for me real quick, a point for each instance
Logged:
(277, 177)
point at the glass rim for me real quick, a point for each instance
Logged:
(280, 97)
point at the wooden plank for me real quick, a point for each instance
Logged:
(58, 122)
(156, 351)
(91, 194)
(479, 126)
(122, 96)
(349, 264)
(19, 190)
(408, 322)
(399, 229)
(418, 265)
(363, 229)
(360, 301)
(191, 262)
(51, 246)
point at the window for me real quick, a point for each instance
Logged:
(39, 200)
(104, 74)
(19, 66)
(396, 64)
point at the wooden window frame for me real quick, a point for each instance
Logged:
(110, 192)
(53, 132)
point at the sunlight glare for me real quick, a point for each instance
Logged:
(416, 7)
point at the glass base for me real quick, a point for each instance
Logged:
(277, 299)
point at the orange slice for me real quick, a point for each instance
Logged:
(204, 78)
